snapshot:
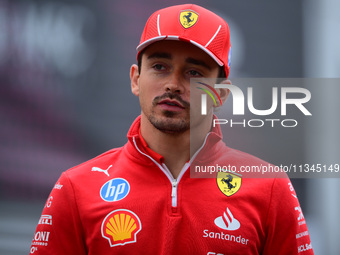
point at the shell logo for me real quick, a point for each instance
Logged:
(120, 227)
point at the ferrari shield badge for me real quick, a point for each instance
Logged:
(188, 18)
(229, 183)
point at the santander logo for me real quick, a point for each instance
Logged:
(227, 221)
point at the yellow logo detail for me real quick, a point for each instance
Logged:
(121, 227)
(229, 183)
(188, 18)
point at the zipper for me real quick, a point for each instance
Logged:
(174, 182)
(174, 196)
(174, 188)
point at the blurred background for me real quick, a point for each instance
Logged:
(65, 95)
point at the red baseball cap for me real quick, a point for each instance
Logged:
(190, 23)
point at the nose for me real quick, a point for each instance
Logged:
(174, 84)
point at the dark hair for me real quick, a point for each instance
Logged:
(139, 61)
(221, 71)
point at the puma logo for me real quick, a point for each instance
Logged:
(97, 169)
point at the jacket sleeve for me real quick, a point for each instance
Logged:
(59, 229)
(286, 227)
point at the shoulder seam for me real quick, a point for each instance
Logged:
(76, 204)
(270, 201)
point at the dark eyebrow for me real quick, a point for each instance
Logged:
(198, 62)
(160, 55)
(188, 60)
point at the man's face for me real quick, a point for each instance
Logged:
(164, 83)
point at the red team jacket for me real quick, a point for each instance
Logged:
(125, 201)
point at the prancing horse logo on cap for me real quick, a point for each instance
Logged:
(188, 18)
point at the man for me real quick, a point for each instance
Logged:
(140, 199)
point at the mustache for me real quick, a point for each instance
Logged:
(170, 95)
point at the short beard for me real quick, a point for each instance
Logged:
(171, 125)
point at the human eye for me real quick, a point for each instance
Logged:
(159, 67)
(195, 73)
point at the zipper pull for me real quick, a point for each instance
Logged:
(174, 187)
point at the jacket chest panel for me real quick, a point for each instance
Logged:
(203, 216)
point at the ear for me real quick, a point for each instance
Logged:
(223, 92)
(134, 78)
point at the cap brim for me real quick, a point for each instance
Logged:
(145, 44)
